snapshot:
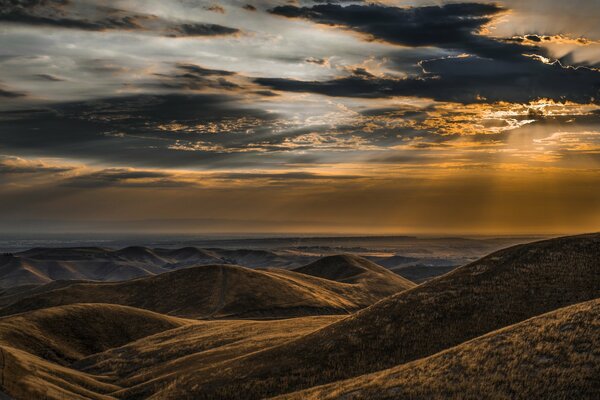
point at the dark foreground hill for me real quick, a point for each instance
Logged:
(219, 291)
(68, 333)
(36, 348)
(554, 356)
(44, 354)
(501, 289)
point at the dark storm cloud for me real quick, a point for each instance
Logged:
(58, 13)
(195, 77)
(496, 70)
(66, 15)
(10, 94)
(466, 80)
(195, 29)
(135, 130)
(447, 25)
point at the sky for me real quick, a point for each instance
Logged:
(299, 117)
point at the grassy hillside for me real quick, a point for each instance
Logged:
(554, 356)
(63, 353)
(37, 348)
(355, 270)
(154, 363)
(219, 291)
(504, 288)
(68, 333)
(40, 266)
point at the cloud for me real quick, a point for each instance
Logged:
(450, 25)
(199, 29)
(521, 80)
(8, 93)
(67, 14)
(49, 78)
(17, 165)
(135, 130)
(195, 77)
(492, 69)
(124, 177)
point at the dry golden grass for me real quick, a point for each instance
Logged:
(69, 333)
(425, 341)
(39, 360)
(25, 376)
(499, 290)
(37, 347)
(157, 362)
(554, 356)
(224, 291)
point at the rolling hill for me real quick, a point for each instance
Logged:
(40, 266)
(219, 291)
(68, 333)
(553, 356)
(501, 289)
(44, 354)
(36, 348)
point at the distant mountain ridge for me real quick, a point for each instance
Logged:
(40, 266)
(217, 291)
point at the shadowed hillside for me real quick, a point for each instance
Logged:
(68, 333)
(36, 348)
(164, 346)
(499, 290)
(219, 291)
(554, 356)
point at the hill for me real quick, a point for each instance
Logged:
(36, 348)
(68, 333)
(422, 273)
(45, 354)
(18, 270)
(356, 270)
(554, 356)
(219, 291)
(501, 289)
(40, 266)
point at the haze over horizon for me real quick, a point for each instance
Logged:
(270, 117)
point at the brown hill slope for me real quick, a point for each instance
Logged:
(215, 291)
(554, 356)
(353, 269)
(25, 377)
(39, 266)
(183, 345)
(157, 360)
(504, 288)
(68, 333)
(15, 271)
(36, 348)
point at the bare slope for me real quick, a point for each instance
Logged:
(217, 291)
(554, 356)
(504, 288)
